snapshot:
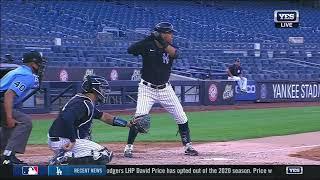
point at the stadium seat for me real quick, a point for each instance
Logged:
(208, 37)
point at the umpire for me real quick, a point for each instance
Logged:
(14, 87)
(158, 54)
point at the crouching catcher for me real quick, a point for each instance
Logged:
(69, 136)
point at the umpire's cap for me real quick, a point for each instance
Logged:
(164, 27)
(32, 56)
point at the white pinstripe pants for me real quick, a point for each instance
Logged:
(242, 82)
(82, 147)
(147, 96)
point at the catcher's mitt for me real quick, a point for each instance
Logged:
(141, 123)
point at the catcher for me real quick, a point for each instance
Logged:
(70, 134)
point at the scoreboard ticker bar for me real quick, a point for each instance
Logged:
(163, 170)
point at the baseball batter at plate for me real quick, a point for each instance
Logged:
(69, 136)
(158, 54)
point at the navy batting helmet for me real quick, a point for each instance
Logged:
(164, 27)
(96, 84)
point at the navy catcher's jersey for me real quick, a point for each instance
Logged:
(75, 119)
(235, 70)
(156, 63)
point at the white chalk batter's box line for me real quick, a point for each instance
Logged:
(217, 159)
(278, 149)
(287, 148)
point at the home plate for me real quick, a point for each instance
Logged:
(217, 159)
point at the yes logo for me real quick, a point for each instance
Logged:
(286, 18)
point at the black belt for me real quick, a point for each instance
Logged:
(162, 86)
(54, 139)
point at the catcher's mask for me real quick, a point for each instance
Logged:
(36, 57)
(98, 85)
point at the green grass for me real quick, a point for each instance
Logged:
(207, 126)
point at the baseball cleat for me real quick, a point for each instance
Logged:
(244, 90)
(190, 151)
(58, 159)
(62, 160)
(105, 154)
(110, 157)
(128, 154)
(128, 150)
(12, 160)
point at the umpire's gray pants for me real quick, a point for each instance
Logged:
(15, 139)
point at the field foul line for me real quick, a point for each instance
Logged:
(281, 149)
(216, 159)
(278, 149)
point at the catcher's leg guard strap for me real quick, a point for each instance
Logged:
(132, 135)
(102, 160)
(81, 160)
(184, 133)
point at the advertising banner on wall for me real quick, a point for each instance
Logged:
(219, 92)
(283, 91)
(250, 95)
(77, 74)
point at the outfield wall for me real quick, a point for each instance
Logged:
(77, 73)
(250, 96)
(123, 94)
(288, 91)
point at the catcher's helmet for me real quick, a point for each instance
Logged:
(164, 27)
(96, 84)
